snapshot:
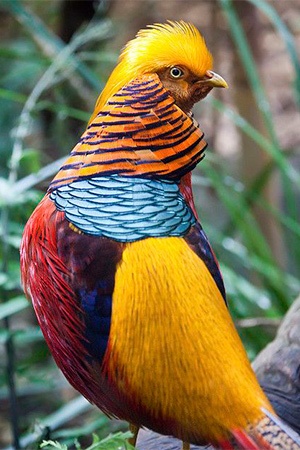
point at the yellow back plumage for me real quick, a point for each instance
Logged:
(156, 47)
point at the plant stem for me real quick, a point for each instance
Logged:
(9, 344)
(10, 373)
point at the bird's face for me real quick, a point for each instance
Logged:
(177, 53)
(186, 87)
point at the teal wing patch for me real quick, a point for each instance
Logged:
(125, 209)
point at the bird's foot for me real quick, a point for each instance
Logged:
(185, 446)
(134, 430)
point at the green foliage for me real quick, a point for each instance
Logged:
(47, 90)
(114, 442)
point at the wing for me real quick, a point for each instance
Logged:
(198, 242)
(69, 277)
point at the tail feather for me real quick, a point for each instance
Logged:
(270, 433)
(274, 431)
(226, 445)
(242, 440)
(245, 441)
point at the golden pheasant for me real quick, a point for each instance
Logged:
(123, 280)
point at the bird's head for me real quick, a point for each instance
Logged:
(177, 53)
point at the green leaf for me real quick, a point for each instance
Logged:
(12, 96)
(3, 278)
(33, 179)
(286, 35)
(272, 150)
(51, 42)
(53, 444)
(117, 441)
(24, 337)
(13, 306)
(100, 422)
(63, 110)
(248, 62)
(5, 190)
(30, 160)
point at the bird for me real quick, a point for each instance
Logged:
(125, 285)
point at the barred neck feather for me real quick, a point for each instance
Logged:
(117, 141)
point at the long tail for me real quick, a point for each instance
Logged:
(270, 433)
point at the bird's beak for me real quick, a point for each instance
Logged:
(214, 80)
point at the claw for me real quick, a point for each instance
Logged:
(134, 430)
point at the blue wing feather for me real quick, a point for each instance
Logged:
(92, 265)
(198, 242)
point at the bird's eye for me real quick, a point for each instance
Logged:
(176, 72)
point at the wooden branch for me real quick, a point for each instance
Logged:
(148, 440)
(278, 370)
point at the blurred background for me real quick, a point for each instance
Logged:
(55, 56)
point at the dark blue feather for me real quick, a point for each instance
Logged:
(198, 242)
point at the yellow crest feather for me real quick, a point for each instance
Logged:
(164, 45)
(154, 48)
